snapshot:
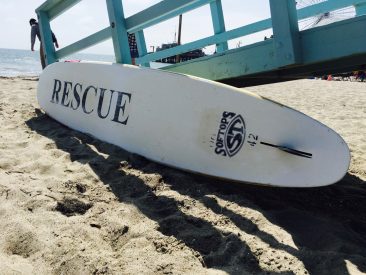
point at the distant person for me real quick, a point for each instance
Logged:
(361, 76)
(35, 33)
(133, 47)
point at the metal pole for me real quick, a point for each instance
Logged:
(177, 59)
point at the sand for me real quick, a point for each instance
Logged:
(71, 204)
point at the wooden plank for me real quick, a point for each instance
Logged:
(141, 45)
(46, 37)
(360, 9)
(325, 43)
(241, 31)
(286, 32)
(61, 7)
(118, 31)
(321, 44)
(326, 6)
(47, 5)
(215, 39)
(218, 22)
(160, 12)
(54, 8)
(85, 43)
(237, 62)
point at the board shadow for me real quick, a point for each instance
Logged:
(213, 248)
(320, 220)
(327, 224)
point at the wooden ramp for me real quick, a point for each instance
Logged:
(290, 54)
(323, 51)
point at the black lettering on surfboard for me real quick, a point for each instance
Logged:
(83, 101)
(65, 95)
(101, 101)
(122, 100)
(230, 135)
(252, 140)
(75, 103)
(56, 89)
(90, 99)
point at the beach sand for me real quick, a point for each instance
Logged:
(71, 204)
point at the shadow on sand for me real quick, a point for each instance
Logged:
(328, 224)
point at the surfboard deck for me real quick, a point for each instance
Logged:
(194, 124)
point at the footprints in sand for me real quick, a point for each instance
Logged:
(118, 236)
(71, 206)
(22, 242)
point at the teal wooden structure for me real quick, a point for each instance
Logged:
(291, 53)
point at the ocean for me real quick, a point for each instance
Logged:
(27, 63)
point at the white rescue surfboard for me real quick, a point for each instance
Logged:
(194, 124)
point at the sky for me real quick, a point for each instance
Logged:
(90, 16)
